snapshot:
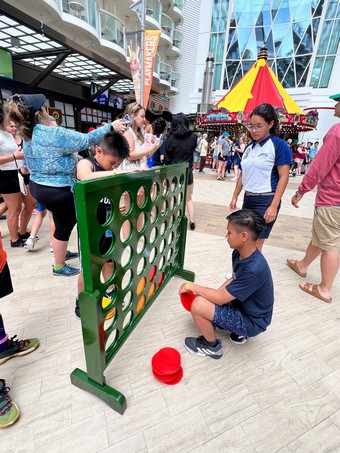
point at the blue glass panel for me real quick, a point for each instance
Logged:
(334, 39)
(251, 48)
(217, 76)
(275, 8)
(233, 52)
(260, 38)
(301, 69)
(224, 15)
(279, 33)
(231, 68)
(220, 47)
(264, 18)
(326, 73)
(212, 44)
(317, 6)
(293, 5)
(303, 12)
(282, 66)
(289, 79)
(283, 16)
(324, 38)
(257, 6)
(215, 14)
(246, 65)
(331, 10)
(272, 64)
(270, 45)
(306, 45)
(231, 37)
(316, 23)
(286, 48)
(246, 18)
(317, 72)
(243, 37)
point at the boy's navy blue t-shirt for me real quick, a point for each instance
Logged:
(253, 290)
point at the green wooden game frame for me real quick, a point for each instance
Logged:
(145, 248)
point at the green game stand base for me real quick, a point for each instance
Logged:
(109, 395)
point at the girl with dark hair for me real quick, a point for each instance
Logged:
(159, 129)
(180, 147)
(265, 168)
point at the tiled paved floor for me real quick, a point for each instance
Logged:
(278, 392)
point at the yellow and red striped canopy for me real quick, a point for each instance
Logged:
(258, 86)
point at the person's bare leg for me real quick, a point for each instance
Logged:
(26, 214)
(38, 219)
(59, 250)
(190, 204)
(311, 254)
(13, 202)
(3, 208)
(202, 311)
(329, 264)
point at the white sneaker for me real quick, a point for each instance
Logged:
(30, 243)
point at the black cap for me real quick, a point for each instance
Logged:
(33, 101)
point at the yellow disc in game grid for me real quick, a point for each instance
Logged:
(141, 286)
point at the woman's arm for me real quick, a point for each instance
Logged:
(237, 191)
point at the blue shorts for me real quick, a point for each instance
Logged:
(260, 204)
(228, 317)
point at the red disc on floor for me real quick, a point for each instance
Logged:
(178, 378)
(187, 299)
(167, 361)
(168, 378)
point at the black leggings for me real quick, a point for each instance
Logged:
(60, 201)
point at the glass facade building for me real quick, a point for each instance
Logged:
(302, 38)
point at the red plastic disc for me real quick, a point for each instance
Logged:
(166, 361)
(187, 299)
(178, 378)
(169, 378)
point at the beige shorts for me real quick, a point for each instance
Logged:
(326, 228)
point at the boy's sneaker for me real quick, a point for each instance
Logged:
(199, 346)
(237, 339)
(65, 271)
(9, 412)
(17, 348)
(71, 255)
(30, 243)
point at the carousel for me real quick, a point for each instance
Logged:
(258, 86)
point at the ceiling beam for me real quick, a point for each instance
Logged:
(47, 71)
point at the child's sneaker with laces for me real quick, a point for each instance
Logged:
(9, 412)
(18, 348)
(237, 339)
(30, 243)
(65, 271)
(71, 255)
(199, 346)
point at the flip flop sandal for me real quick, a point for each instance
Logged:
(313, 290)
(293, 265)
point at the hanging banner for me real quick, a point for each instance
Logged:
(151, 40)
(133, 40)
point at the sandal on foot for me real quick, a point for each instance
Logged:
(294, 266)
(313, 290)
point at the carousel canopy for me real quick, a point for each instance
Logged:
(258, 86)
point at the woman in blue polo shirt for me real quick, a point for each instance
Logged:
(265, 169)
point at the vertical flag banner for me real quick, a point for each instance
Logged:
(151, 40)
(134, 48)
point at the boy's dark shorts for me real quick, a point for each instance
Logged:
(228, 317)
